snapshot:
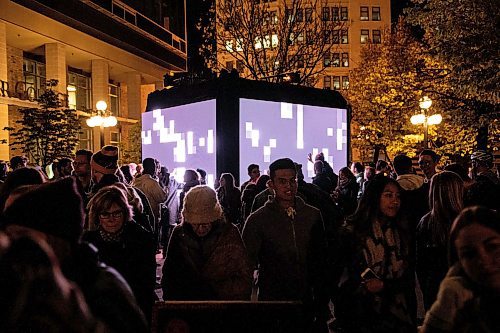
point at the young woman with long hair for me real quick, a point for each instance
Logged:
(377, 292)
(446, 202)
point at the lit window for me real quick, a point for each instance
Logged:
(344, 15)
(377, 39)
(336, 82)
(375, 13)
(85, 138)
(79, 91)
(345, 60)
(344, 36)
(335, 60)
(114, 139)
(114, 99)
(229, 45)
(325, 14)
(365, 35)
(239, 45)
(345, 82)
(258, 43)
(326, 60)
(274, 40)
(327, 82)
(364, 14)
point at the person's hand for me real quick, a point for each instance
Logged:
(309, 157)
(374, 285)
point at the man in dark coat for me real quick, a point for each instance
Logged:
(285, 239)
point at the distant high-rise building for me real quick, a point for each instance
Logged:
(347, 26)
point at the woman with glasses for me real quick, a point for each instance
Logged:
(122, 243)
(206, 258)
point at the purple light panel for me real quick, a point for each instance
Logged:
(182, 137)
(272, 130)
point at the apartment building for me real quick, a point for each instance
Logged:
(346, 25)
(110, 50)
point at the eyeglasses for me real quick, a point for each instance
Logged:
(424, 163)
(107, 215)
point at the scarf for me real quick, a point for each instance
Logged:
(110, 237)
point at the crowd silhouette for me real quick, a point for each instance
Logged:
(387, 247)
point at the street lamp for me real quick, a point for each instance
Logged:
(423, 118)
(102, 118)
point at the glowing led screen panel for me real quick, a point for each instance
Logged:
(182, 137)
(272, 130)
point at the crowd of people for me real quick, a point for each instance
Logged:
(376, 248)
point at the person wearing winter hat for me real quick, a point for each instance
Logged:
(55, 212)
(104, 162)
(206, 258)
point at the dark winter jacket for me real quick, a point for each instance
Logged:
(214, 267)
(133, 257)
(290, 251)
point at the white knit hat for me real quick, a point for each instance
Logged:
(201, 206)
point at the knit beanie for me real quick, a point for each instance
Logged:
(105, 161)
(201, 205)
(54, 208)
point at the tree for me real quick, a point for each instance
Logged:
(385, 91)
(131, 147)
(47, 132)
(461, 34)
(269, 39)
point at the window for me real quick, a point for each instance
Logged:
(335, 36)
(240, 67)
(229, 45)
(336, 82)
(34, 78)
(114, 138)
(309, 13)
(229, 65)
(114, 99)
(335, 60)
(364, 14)
(325, 14)
(327, 82)
(344, 16)
(335, 13)
(85, 138)
(300, 15)
(375, 13)
(377, 39)
(345, 60)
(326, 60)
(326, 36)
(344, 36)
(365, 36)
(79, 92)
(345, 82)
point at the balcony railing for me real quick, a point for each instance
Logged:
(131, 17)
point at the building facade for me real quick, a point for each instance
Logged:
(110, 50)
(345, 25)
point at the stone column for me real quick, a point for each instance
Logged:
(133, 82)
(55, 64)
(100, 92)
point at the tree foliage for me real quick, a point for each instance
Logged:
(463, 34)
(131, 149)
(47, 132)
(385, 91)
(269, 39)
